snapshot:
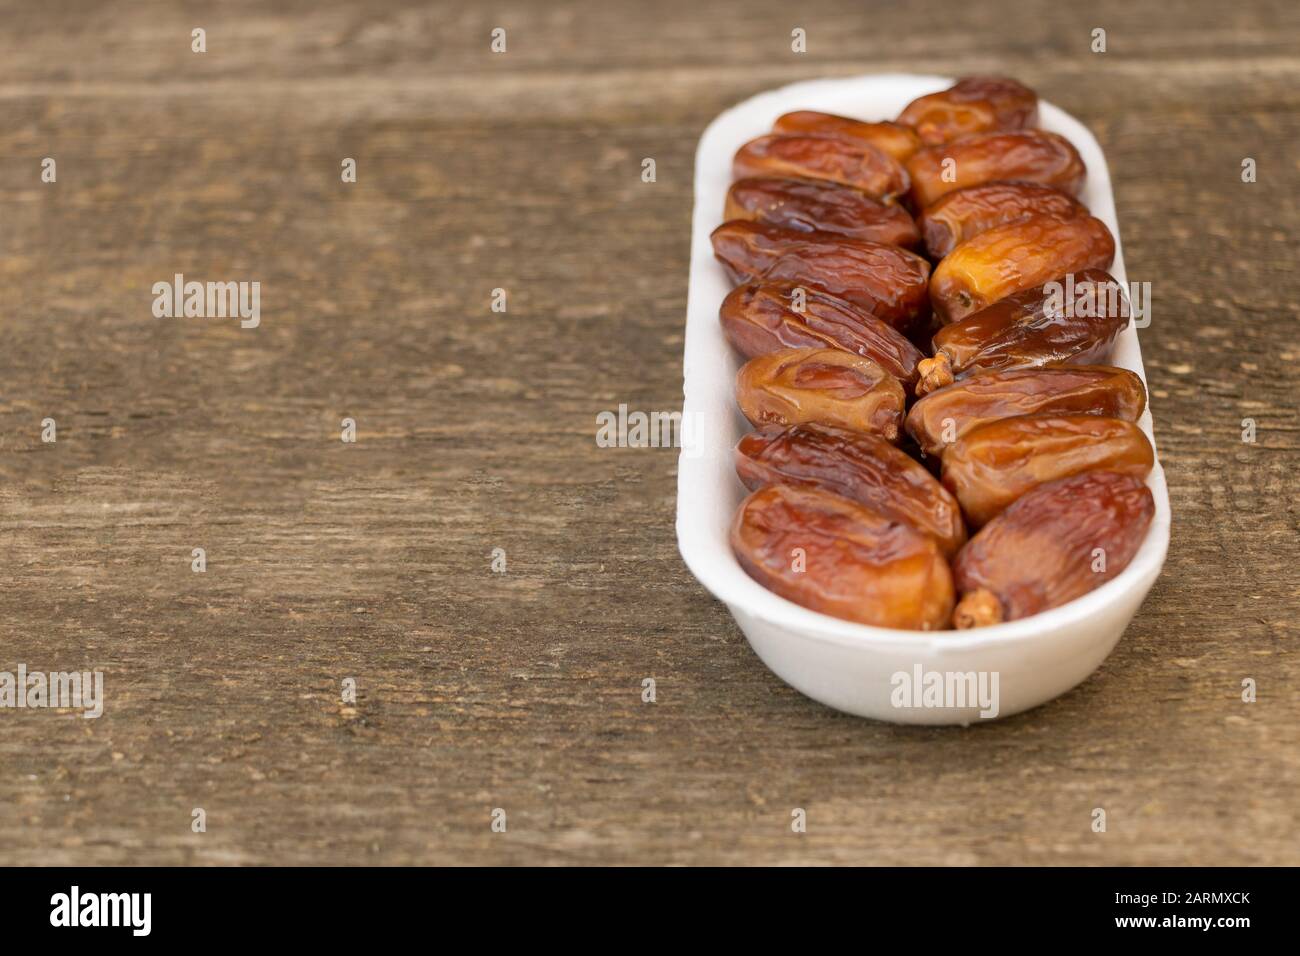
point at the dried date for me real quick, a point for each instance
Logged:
(762, 317)
(834, 158)
(835, 556)
(825, 386)
(886, 281)
(810, 206)
(860, 467)
(1072, 319)
(965, 213)
(1055, 544)
(1028, 155)
(991, 466)
(974, 104)
(942, 417)
(894, 139)
(1013, 257)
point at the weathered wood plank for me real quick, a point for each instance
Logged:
(372, 561)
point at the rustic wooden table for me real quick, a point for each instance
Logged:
(475, 431)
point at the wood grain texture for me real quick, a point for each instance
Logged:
(476, 431)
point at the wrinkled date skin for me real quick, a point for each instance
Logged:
(942, 417)
(1013, 257)
(1041, 552)
(991, 466)
(851, 562)
(966, 213)
(809, 206)
(884, 280)
(850, 162)
(825, 386)
(894, 139)
(760, 317)
(862, 468)
(1029, 155)
(1030, 330)
(974, 104)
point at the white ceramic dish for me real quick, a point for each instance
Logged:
(853, 667)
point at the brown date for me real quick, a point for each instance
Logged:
(895, 139)
(810, 206)
(833, 555)
(862, 468)
(965, 213)
(942, 417)
(1013, 257)
(1028, 155)
(1042, 551)
(991, 466)
(974, 104)
(851, 162)
(760, 317)
(1072, 319)
(886, 281)
(827, 386)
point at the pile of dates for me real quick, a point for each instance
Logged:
(926, 314)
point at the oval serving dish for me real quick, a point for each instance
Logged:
(871, 671)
